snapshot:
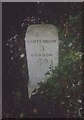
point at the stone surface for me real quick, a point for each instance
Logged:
(42, 51)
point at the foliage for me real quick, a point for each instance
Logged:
(65, 81)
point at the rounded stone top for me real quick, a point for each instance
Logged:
(42, 30)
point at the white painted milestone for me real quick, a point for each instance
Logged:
(42, 50)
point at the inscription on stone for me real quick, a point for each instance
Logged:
(42, 50)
